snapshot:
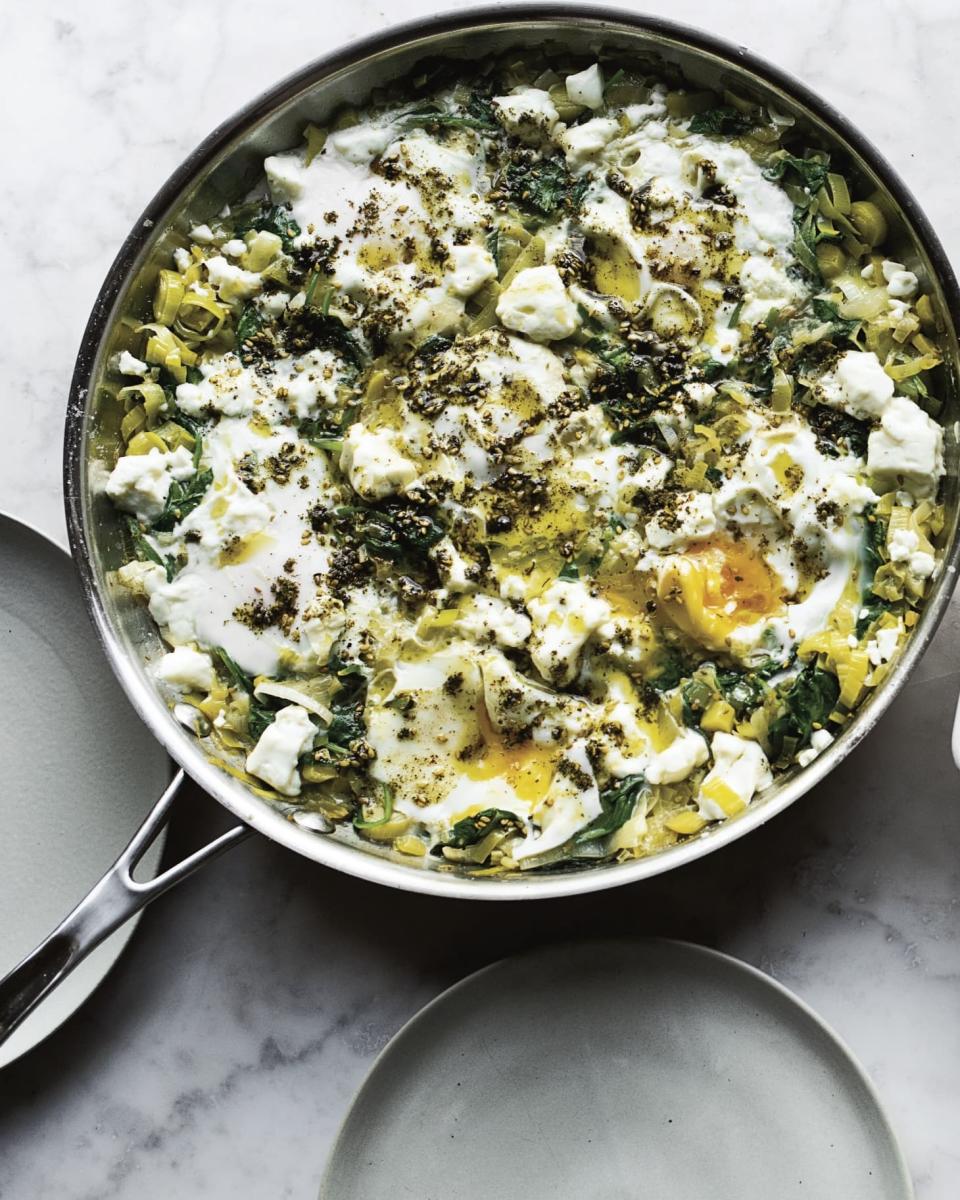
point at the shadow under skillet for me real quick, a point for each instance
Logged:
(265, 946)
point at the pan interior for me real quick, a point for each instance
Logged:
(225, 167)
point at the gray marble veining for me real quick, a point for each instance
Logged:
(220, 1055)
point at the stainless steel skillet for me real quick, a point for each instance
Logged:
(222, 168)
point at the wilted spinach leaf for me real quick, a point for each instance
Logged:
(543, 186)
(618, 801)
(477, 114)
(183, 498)
(837, 432)
(259, 714)
(146, 553)
(810, 173)
(671, 667)
(807, 705)
(470, 830)
(723, 121)
(249, 324)
(269, 218)
(744, 690)
(391, 531)
(841, 327)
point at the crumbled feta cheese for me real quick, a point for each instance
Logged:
(374, 465)
(472, 267)
(284, 176)
(586, 87)
(692, 519)
(141, 578)
(175, 607)
(313, 383)
(489, 619)
(820, 739)
(882, 646)
(686, 752)
(226, 387)
(235, 248)
(536, 304)
(907, 450)
(565, 616)
(322, 630)
(139, 483)
(648, 477)
(128, 365)
(186, 670)
(765, 285)
(274, 304)
(858, 384)
(846, 491)
(583, 142)
(700, 394)
(232, 282)
(513, 587)
(740, 770)
(202, 234)
(361, 143)
(182, 258)
(903, 546)
(901, 283)
(274, 758)
(922, 564)
(529, 113)
(451, 566)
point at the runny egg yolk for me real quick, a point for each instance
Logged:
(715, 586)
(526, 767)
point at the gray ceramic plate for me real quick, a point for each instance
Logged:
(646, 1070)
(80, 770)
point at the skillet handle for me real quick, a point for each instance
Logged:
(116, 898)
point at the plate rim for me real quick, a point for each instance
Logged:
(738, 965)
(118, 944)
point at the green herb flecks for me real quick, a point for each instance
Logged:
(743, 690)
(874, 541)
(802, 179)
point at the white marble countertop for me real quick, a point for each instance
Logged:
(220, 1055)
